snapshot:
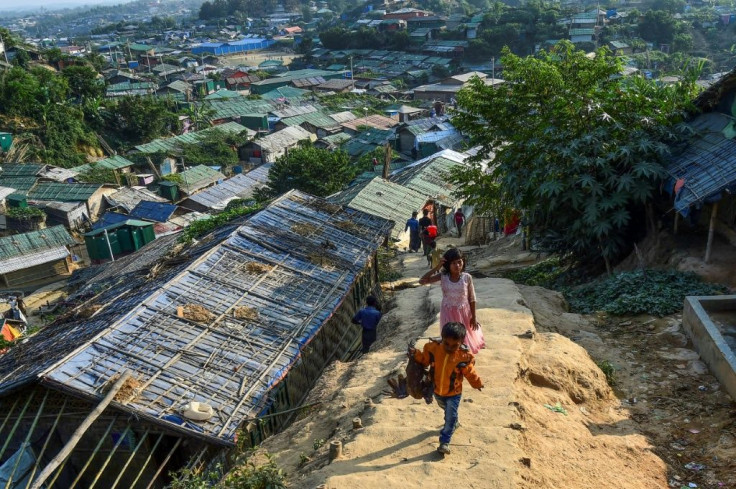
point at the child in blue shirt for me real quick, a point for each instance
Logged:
(368, 318)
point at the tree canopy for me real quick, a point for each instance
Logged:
(577, 147)
(313, 170)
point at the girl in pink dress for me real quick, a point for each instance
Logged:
(458, 296)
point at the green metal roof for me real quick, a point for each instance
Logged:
(23, 244)
(127, 86)
(288, 92)
(167, 145)
(200, 176)
(238, 107)
(112, 163)
(317, 119)
(581, 32)
(128, 222)
(382, 198)
(21, 169)
(338, 138)
(63, 192)
(429, 177)
(21, 184)
(222, 93)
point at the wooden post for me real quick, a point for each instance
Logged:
(677, 222)
(335, 449)
(387, 161)
(79, 432)
(711, 230)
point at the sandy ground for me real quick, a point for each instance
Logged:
(257, 57)
(508, 436)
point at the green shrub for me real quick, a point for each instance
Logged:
(656, 292)
(543, 273)
(252, 476)
(24, 213)
(387, 272)
(609, 370)
(205, 226)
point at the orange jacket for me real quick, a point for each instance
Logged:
(449, 369)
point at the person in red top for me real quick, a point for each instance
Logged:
(459, 221)
(449, 361)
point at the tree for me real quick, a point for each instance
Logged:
(83, 81)
(141, 119)
(313, 170)
(576, 146)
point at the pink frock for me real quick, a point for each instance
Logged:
(456, 298)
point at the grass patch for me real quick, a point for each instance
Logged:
(655, 292)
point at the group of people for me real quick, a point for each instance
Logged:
(450, 358)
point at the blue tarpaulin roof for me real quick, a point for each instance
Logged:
(153, 211)
(707, 166)
(108, 219)
(226, 361)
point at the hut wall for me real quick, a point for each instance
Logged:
(141, 448)
(37, 272)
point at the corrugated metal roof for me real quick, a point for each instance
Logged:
(153, 211)
(344, 116)
(317, 119)
(284, 138)
(59, 174)
(229, 363)
(294, 111)
(427, 176)
(116, 162)
(434, 136)
(373, 120)
(63, 192)
(5, 191)
(21, 169)
(128, 197)
(384, 199)
(292, 93)
(34, 241)
(198, 177)
(21, 184)
(33, 259)
(167, 145)
(708, 165)
(116, 225)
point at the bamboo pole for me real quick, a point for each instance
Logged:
(69, 447)
(109, 455)
(133, 453)
(17, 422)
(711, 230)
(10, 411)
(94, 452)
(163, 464)
(46, 443)
(148, 459)
(26, 442)
(677, 222)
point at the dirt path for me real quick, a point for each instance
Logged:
(547, 420)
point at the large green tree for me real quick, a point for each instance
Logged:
(313, 170)
(577, 147)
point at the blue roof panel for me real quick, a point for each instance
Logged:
(153, 211)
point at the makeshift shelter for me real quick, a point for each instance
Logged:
(704, 171)
(244, 324)
(30, 257)
(241, 186)
(382, 198)
(428, 177)
(269, 148)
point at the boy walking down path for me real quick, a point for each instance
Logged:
(368, 318)
(449, 361)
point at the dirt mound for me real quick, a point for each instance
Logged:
(572, 373)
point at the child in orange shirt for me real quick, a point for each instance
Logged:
(449, 361)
